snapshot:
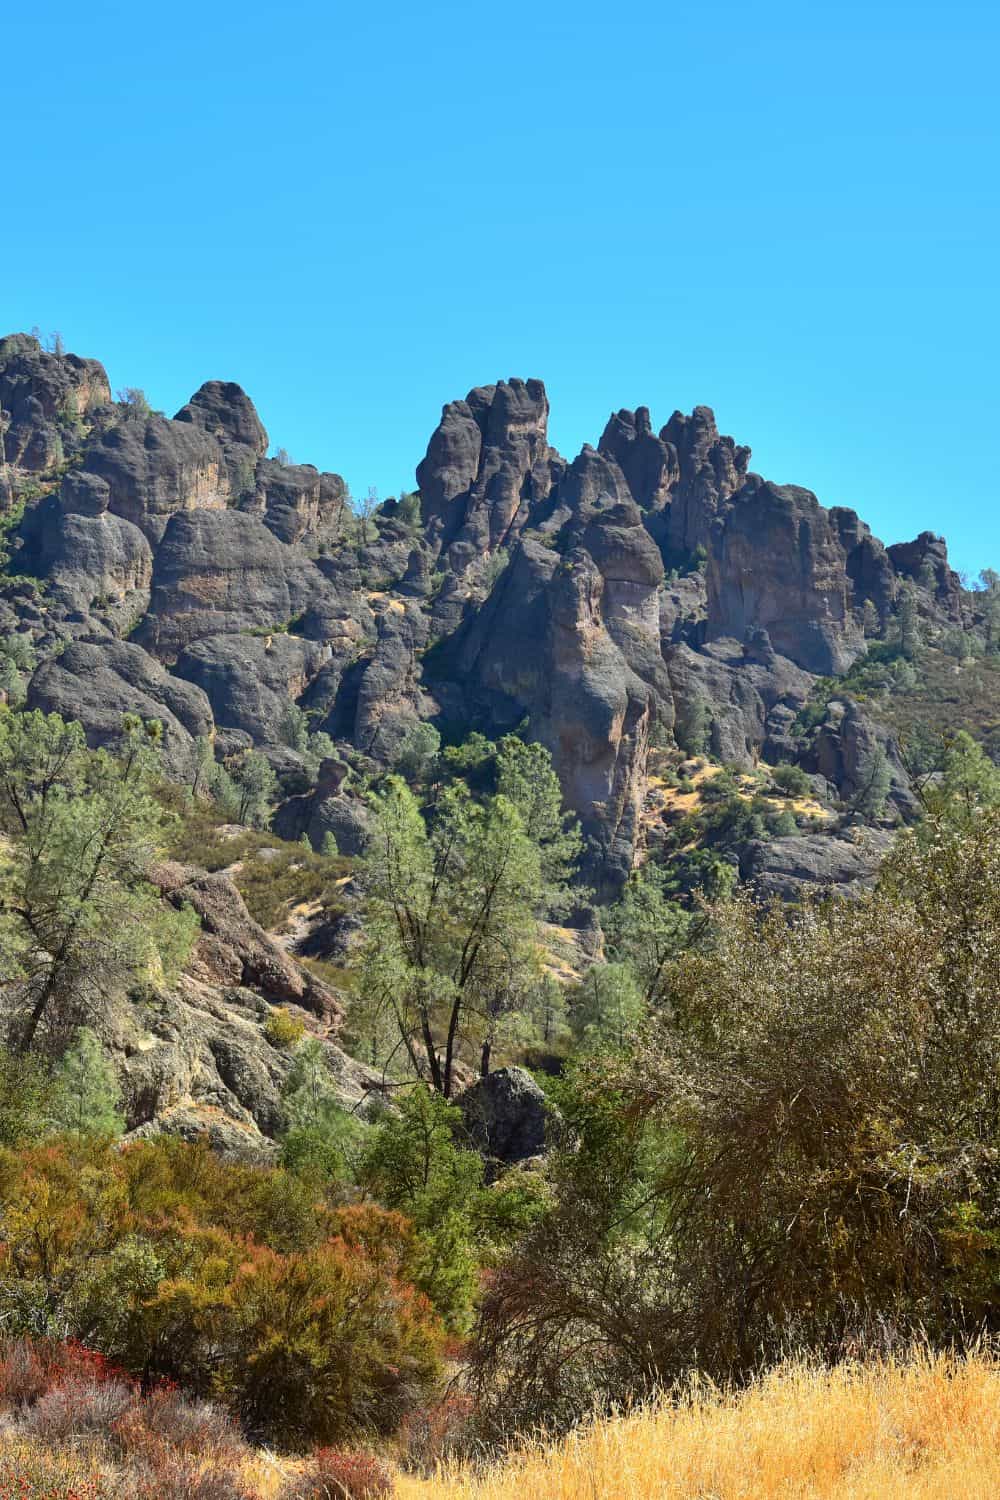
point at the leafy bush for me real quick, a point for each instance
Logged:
(232, 1280)
(284, 1030)
(334, 1475)
(791, 780)
(802, 1145)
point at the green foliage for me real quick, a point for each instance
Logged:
(418, 751)
(79, 919)
(692, 726)
(408, 510)
(791, 780)
(282, 1029)
(647, 928)
(256, 789)
(608, 1007)
(320, 1135)
(526, 778)
(415, 1162)
(86, 1095)
(25, 1098)
(802, 1143)
(875, 783)
(232, 1280)
(453, 909)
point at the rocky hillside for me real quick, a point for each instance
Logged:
(651, 591)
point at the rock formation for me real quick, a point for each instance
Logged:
(592, 604)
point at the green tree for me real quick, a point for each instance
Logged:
(647, 928)
(964, 783)
(451, 916)
(320, 1135)
(256, 788)
(86, 1095)
(202, 763)
(608, 1007)
(908, 623)
(415, 1162)
(80, 917)
(526, 778)
(874, 783)
(418, 751)
(692, 726)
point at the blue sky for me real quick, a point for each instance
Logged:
(789, 212)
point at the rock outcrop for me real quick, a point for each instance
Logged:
(593, 604)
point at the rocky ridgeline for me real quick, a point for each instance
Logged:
(604, 601)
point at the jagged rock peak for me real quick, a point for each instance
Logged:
(223, 409)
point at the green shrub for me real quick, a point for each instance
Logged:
(284, 1030)
(791, 780)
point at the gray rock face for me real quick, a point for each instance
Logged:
(155, 468)
(224, 410)
(927, 557)
(98, 683)
(710, 470)
(50, 400)
(842, 751)
(790, 868)
(542, 646)
(218, 572)
(536, 591)
(747, 701)
(506, 1115)
(486, 464)
(777, 562)
(296, 500)
(250, 680)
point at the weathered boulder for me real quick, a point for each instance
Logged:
(296, 500)
(925, 561)
(155, 468)
(506, 1115)
(789, 869)
(99, 682)
(50, 400)
(232, 941)
(844, 748)
(486, 464)
(224, 410)
(709, 470)
(540, 646)
(218, 572)
(747, 691)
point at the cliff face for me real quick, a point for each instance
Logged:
(600, 601)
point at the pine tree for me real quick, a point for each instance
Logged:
(87, 1097)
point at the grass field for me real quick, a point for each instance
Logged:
(927, 1429)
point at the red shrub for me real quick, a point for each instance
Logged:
(333, 1475)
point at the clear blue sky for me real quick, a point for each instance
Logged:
(787, 211)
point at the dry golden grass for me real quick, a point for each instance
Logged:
(927, 1429)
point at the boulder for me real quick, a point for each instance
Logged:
(98, 683)
(506, 1116)
(789, 869)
